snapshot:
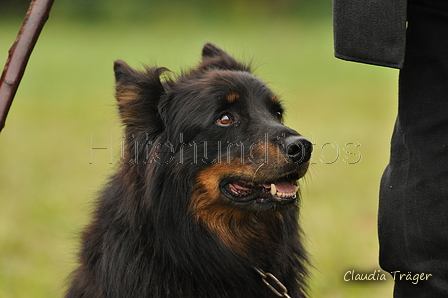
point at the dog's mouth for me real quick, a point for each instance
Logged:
(281, 191)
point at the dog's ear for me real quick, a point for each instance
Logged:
(214, 57)
(138, 95)
(211, 51)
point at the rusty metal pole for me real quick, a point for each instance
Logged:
(20, 52)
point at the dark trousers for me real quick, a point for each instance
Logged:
(413, 209)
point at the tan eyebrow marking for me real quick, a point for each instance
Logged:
(274, 98)
(231, 97)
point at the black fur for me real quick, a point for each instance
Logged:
(164, 226)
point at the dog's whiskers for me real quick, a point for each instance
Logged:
(255, 173)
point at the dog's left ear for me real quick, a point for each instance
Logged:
(214, 57)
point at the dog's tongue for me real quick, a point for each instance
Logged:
(283, 186)
(240, 188)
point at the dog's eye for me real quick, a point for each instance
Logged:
(279, 116)
(225, 120)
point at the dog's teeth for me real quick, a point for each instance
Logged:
(273, 189)
(274, 192)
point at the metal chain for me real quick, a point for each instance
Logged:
(265, 276)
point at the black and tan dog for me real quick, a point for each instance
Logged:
(206, 199)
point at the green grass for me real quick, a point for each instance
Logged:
(47, 185)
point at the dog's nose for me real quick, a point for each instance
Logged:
(297, 148)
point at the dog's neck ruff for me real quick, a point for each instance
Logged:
(266, 277)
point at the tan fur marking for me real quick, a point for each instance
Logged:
(125, 93)
(237, 229)
(231, 97)
(274, 98)
(125, 96)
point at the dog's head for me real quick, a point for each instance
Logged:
(218, 125)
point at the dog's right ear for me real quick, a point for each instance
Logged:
(138, 95)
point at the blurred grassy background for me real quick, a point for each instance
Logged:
(65, 106)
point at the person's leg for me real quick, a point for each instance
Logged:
(413, 209)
